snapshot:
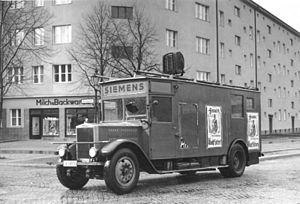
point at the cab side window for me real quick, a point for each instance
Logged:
(161, 109)
(237, 106)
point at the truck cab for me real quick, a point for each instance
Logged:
(163, 125)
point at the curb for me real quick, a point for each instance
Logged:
(14, 151)
(279, 156)
(29, 165)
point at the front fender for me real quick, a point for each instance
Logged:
(110, 148)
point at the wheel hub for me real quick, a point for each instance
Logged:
(124, 171)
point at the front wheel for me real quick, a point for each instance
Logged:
(123, 172)
(76, 180)
(236, 162)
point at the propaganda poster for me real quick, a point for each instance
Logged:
(253, 130)
(214, 126)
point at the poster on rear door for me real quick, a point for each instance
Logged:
(214, 126)
(253, 130)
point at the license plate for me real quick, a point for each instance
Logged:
(69, 163)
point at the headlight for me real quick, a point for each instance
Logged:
(62, 151)
(93, 152)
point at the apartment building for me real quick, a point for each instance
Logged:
(233, 42)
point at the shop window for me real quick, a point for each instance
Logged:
(76, 117)
(250, 103)
(50, 118)
(237, 106)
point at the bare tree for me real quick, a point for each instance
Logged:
(91, 50)
(21, 24)
(136, 38)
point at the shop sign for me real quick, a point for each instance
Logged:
(125, 89)
(57, 102)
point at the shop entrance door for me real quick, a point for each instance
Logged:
(35, 127)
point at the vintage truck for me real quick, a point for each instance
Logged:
(163, 125)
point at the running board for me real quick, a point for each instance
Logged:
(211, 168)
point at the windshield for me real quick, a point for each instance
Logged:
(125, 109)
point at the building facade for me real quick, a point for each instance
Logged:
(233, 42)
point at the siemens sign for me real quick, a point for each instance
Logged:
(57, 102)
(125, 89)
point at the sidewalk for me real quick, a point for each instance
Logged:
(42, 152)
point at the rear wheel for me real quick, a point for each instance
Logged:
(123, 172)
(76, 180)
(236, 162)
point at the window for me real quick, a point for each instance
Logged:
(251, 60)
(171, 37)
(284, 49)
(39, 3)
(17, 37)
(120, 52)
(292, 105)
(223, 79)
(292, 83)
(279, 114)
(270, 103)
(58, 2)
(237, 106)
(270, 78)
(278, 46)
(258, 62)
(238, 70)
(292, 42)
(269, 29)
(16, 75)
(62, 73)
(221, 19)
(203, 76)
(237, 40)
(202, 45)
(162, 109)
(237, 11)
(251, 32)
(121, 12)
(17, 4)
(201, 12)
(250, 103)
(284, 114)
(62, 34)
(16, 117)
(171, 5)
(292, 62)
(258, 37)
(39, 34)
(38, 74)
(229, 22)
(279, 92)
(222, 50)
(269, 53)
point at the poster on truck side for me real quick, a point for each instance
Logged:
(214, 126)
(253, 130)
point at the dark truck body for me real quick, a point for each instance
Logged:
(180, 126)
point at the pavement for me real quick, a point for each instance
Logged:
(41, 153)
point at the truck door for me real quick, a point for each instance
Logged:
(163, 133)
(188, 121)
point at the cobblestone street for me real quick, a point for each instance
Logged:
(271, 181)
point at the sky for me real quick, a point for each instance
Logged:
(287, 10)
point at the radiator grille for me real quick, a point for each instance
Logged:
(84, 135)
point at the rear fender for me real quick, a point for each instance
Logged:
(243, 144)
(145, 163)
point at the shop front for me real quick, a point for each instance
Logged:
(40, 118)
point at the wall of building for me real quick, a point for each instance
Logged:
(188, 27)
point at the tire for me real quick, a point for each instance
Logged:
(123, 172)
(76, 181)
(236, 162)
